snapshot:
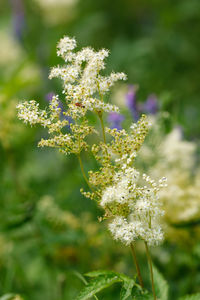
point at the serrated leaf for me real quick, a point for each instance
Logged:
(128, 282)
(191, 297)
(97, 284)
(161, 285)
(126, 289)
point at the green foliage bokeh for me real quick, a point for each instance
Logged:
(156, 43)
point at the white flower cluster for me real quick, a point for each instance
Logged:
(181, 198)
(67, 143)
(175, 150)
(135, 208)
(177, 158)
(83, 88)
(83, 84)
(131, 200)
(126, 145)
(29, 112)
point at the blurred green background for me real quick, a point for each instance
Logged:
(48, 231)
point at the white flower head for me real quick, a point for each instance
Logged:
(83, 83)
(65, 46)
(136, 209)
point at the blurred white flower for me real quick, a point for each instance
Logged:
(57, 11)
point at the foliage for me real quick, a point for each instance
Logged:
(104, 279)
(161, 285)
(48, 229)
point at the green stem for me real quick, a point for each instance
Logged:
(103, 130)
(102, 126)
(151, 270)
(99, 113)
(137, 266)
(83, 172)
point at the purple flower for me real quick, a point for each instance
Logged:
(151, 105)
(115, 120)
(131, 101)
(49, 96)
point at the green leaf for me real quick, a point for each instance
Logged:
(128, 282)
(139, 294)
(81, 277)
(161, 285)
(110, 273)
(97, 284)
(191, 297)
(126, 289)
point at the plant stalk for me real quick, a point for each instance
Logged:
(83, 172)
(103, 130)
(137, 266)
(102, 126)
(151, 270)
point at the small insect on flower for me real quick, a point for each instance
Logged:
(79, 104)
